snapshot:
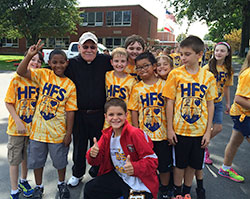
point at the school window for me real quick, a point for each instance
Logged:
(62, 42)
(109, 43)
(92, 18)
(100, 40)
(127, 17)
(114, 42)
(6, 42)
(109, 18)
(118, 18)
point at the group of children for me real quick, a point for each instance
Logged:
(150, 108)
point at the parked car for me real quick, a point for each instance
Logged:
(71, 52)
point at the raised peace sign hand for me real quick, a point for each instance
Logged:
(33, 50)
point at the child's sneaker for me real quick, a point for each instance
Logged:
(187, 196)
(63, 191)
(162, 195)
(179, 197)
(207, 157)
(170, 193)
(14, 196)
(201, 194)
(25, 188)
(231, 174)
(38, 193)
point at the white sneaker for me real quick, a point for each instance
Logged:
(74, 181)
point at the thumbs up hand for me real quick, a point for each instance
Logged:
(128, 167)
(94, 149)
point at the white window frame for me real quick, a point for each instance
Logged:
(123, 23)
(59, 42)
(11, 43)
(95, 22)
(122, 39)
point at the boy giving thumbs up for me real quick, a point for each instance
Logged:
(127, 162)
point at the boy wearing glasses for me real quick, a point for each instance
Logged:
(148, 113)
(119, 83)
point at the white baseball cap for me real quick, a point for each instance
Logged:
(87, 36)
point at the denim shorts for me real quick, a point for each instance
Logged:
(218, 113)
(243, 127)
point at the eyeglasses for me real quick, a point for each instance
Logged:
(86, 47)
(145, 67)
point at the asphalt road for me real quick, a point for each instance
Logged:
(216, 186)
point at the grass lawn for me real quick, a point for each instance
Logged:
(238, 60)
(7, 62)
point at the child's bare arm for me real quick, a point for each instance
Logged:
(19, 124)
(69, 126)
(22, 68)
(135, 118)
(242, 101)
(206, 137)
(170, 114)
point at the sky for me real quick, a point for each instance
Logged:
(156, 7)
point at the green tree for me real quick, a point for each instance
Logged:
(180, 37)
(221, 16)
(33, 19)
(207, 37)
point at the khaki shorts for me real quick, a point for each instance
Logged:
(17, 149)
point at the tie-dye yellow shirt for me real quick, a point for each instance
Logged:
(130, 69)
(222, 80)
(243, 89)
(176, 59)
(22, 93)
(56, 96)
(119, 87)
(190, 93)
(148, 101)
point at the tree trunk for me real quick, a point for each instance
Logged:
(245, 35)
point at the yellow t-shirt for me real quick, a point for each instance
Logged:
(23, 94)
(119, 87)
(222, 80)
(148, 101)
(243, 89)
(130, 69)
(190, 93)
(208, 55)
(176, 59)
(56, 96)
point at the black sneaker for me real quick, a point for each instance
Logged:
(163, 195)
(63, 191)
(38, 193)
(201, 193)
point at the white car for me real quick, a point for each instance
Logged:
(71, 52)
